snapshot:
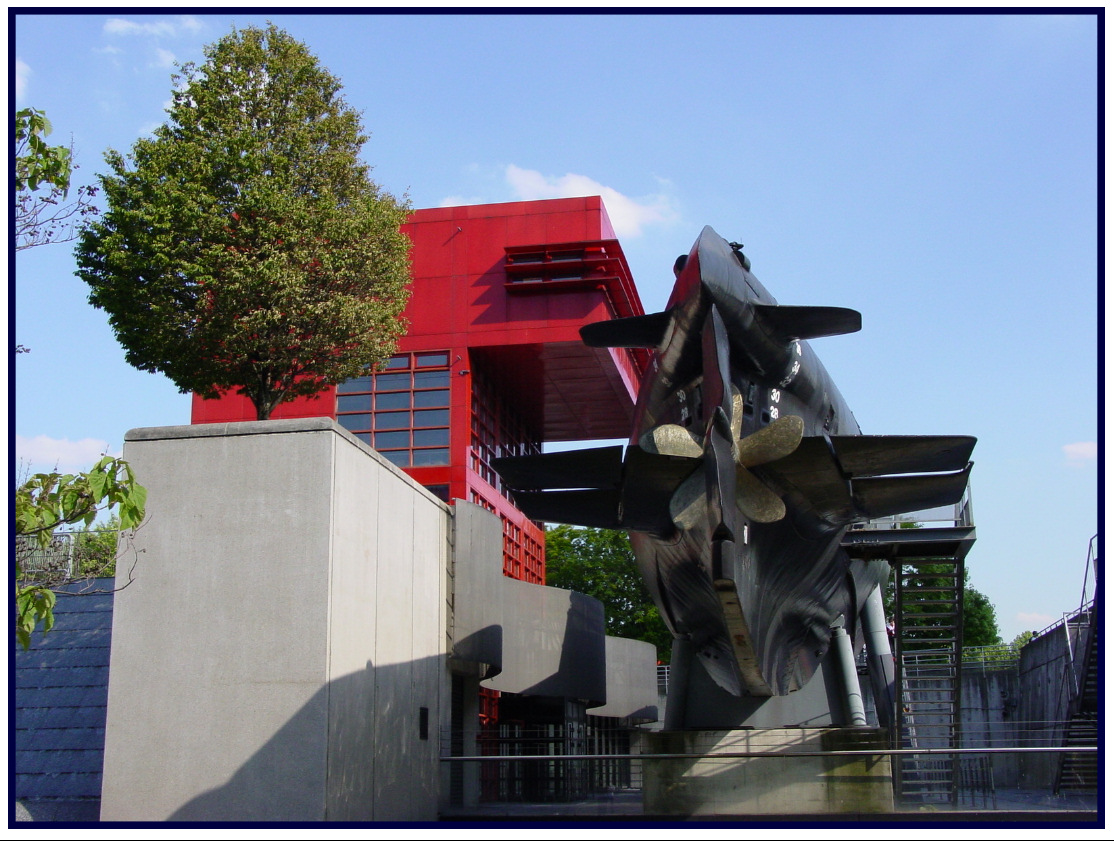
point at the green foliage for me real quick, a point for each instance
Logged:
(42, 182)
(94, 553)
(245, 246)
(47, 502)
(1023, 639)
(980, 623)
(600, 563)
(37, 162)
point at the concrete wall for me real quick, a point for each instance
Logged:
(284, 632)
(632, 681)
(1044, 696)
(553, 643)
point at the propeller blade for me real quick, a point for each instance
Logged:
(670, 439)
(757, 502)
(689, 505)
(772, 442)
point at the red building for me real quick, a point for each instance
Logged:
(492, 363)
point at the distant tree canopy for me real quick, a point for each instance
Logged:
(980, 624)
(245, 246)
(600, 564)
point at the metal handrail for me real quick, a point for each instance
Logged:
(767, 754)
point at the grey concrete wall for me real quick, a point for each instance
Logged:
(1044, 696)
(284, 631)
(553, 643)
(632, 681)
(477, 611)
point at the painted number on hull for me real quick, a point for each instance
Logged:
(796, 366)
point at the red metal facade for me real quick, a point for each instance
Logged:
(492, 363)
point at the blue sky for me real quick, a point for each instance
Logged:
(937, 173)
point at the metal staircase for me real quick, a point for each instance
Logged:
(929, 647)
(927, 555)
(1077, 773)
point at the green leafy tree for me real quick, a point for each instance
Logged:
(979, 621)
(95, 550)
(245, 246)
(600, 564)
(48, 502)
(42, 185)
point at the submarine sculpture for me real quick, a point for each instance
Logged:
(743, 472)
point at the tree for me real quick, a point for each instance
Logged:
(600, 564)
(42, 184)
(979, 622)
(94, 552)
(245, 246)
(47, 502)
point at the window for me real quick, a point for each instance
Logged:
(402, 411)
(497, 429)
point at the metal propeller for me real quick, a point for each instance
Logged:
(690, 502)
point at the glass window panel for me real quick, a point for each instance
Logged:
(431, 360)
(351, 422)
(392, 420)
(431, 437)
(392, 382)
(400, 361)
(354, 403)
(431, 379)
(365, 437)
(393, 400)
(432, 417)
(400, 458)
(358, 384)
(428, 458)
(426, 399)
(391, 440)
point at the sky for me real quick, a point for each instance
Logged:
(938, 173)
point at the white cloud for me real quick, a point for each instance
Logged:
(190, 23)
(164, 58)
(43, 453)
(158, 29)
(1034, 621)
(460, 201)
(1081, 452)
(22, 76)
(119, 26)
(628, 215)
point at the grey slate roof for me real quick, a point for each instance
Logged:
(61, 699)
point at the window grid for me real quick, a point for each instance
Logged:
(497, 431)
(403, 410)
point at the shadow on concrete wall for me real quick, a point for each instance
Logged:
(381, 763)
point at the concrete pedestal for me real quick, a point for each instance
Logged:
(782, 779)
(280, 653)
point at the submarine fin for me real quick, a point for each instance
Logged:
(647, 331)
(593, 508)
(880, 455)
(888, 495)
(597, 467)
(790, 323)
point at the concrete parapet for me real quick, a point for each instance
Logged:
(778, 778)
(280, 654)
